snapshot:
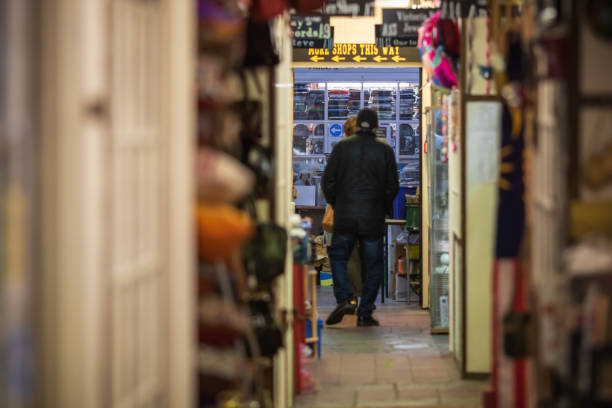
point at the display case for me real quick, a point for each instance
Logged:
(438, 220)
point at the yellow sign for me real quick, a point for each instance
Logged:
(356, 53)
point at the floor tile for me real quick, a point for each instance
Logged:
(399, 364)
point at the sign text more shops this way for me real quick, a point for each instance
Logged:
(357, 53)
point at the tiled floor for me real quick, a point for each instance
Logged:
(398, 364)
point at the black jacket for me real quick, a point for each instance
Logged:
(361, 182)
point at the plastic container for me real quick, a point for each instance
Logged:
(326, 279)
(399, 204)
(319, 330)
(414, 252)
(413, 215)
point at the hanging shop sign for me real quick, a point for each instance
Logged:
(356, 53)
(312, 31)
(388, 41)
(314, 27)
(349, 8)
(404, 22)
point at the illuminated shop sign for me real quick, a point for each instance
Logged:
(356, 53)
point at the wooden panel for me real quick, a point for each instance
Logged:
(136, 204)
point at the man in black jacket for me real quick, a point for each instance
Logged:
(360, 183)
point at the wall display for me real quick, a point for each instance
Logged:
(439, 246)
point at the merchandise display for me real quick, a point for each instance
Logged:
(321, 107)
(438, 204)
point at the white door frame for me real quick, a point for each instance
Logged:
(75, 306)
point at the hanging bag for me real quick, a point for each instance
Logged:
(260, 51)
(328, 219)
(265, 253)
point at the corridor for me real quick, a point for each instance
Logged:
(399, 364)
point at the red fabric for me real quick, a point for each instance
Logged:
(508, 376)
(263, 10)
(520, 366)
(449, 33)
(307, 5)
(299, 325)
(496, 323)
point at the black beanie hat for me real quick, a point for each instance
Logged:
(367, 119)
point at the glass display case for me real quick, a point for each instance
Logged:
(438, 223)
(322, 106)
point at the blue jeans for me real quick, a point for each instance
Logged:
(339, 253)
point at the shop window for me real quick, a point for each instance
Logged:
(321, 108)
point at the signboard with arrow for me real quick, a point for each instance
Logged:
(356, 54)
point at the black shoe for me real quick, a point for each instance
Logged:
(346, 307)
(367, 321)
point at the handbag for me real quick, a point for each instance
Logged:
(254, 155)
(260, 51)
(265, 254)
(268, 334)
(328, 219)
